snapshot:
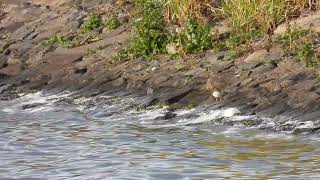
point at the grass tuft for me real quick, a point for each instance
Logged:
(179, 11)
(301, 45)
(94, 21)
(150, 33)
(112, 23)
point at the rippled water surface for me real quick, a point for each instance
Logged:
(87, 140)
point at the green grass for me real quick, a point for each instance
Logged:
(246, 16)
(58, 40)
(70, 40)
(195, 37)
(150, 33)
(112, 23)
(301, 45)
(85, 35)
(94, 21)
(151, 36)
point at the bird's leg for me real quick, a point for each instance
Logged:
(221, 100)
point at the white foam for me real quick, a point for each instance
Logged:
(230, 112)
(8, 110)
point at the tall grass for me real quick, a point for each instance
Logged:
(179, 11)
(261, 15)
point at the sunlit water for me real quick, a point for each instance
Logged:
(88, 140)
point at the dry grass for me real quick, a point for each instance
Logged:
(179, 11)
(262, 15)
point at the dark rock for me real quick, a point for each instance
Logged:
(168, 115)
(249, 66)
(31, 106)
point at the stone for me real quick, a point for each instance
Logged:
(119, 82)
(311, 21)
(248, 66)
(216, 83)
(3, 61)
(262, 55)
(30, 106)
(167, 115)
(158, 80)
(13, 61)
(264, 68)
(11, 70)
(246, 81)
(287, 83)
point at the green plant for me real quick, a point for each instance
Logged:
(71, 40)
(301, 44)
(246, 16)
(112, 23)
(58, 40)
(195, 37)
(150, 34)
(94, 21)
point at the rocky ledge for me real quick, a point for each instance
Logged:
(264, 83)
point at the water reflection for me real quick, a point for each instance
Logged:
(65, 142)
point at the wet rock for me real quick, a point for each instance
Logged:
(306, 126)
(31, 106)
(168, 115)
(173, 95)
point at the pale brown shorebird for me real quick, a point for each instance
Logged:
(217, 95)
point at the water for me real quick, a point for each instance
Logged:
(114, 140)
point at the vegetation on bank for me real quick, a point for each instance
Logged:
(302, 45)
(183, 27)
(87, 34)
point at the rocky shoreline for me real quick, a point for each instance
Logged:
(264, 83)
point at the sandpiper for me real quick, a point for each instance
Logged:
(217, 95)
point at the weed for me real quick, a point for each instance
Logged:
(83, 39)
(58, 40)
(260, 15)
(150, 34)
(94, 21)
(179, 11)
(180, 66)
(195, 37)
(302, 45)
(121, 55)
(112, 23)
(71, 40)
